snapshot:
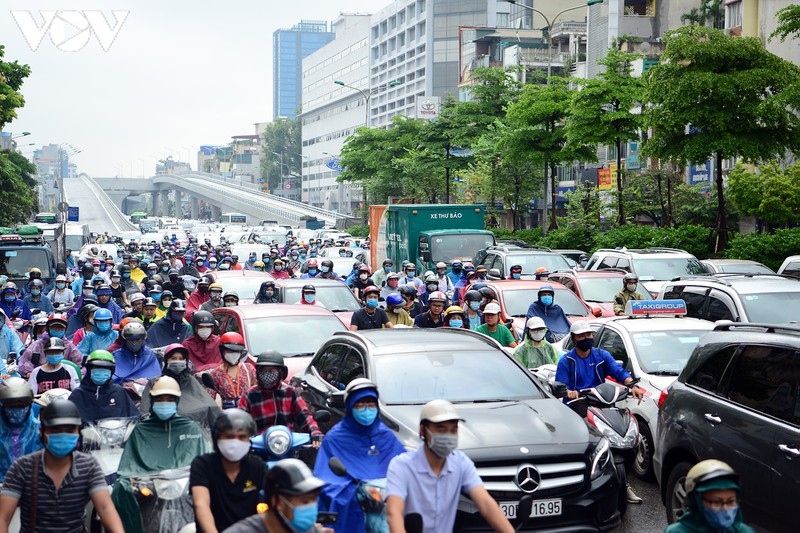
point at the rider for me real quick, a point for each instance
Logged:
(364, 444)
(279, 270)
(551, 313)
(629, 283)
(445, 283)
(61, 295)
(226, 484)
(56, 327)
(433, 317)
(101, 336)
(326, 270)
(308, 296)
(370, 316)
(35, 299)
(98, 397)
(515, 272)
(535, 351)
(712, 500)
(394, 308)
(164, 440)
(230, 299)
(454, 317)
(137, 306)
(214, 298)
(584, 367)
(494, 329)
(312, 269)
(11, 303)
(412, 305)
(203, 345)
(472, 309)
(134, 359)
(19, 428)
(233, 377)
(104, 300)
(390, 285)
(172, 328)
(362, 282)
(266, 294)
(273, 402)
(455, 272)
(379, 276)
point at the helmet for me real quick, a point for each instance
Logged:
(206, 280)
(363, 268)
(372, 289)
(234, 419)
(328, 263)
(308, 288)
(431, 277)
(583, 257)
(149, 302)
(407, 290)
(102, 314)
(535, 322)
(312, 263)
(57, 318)
(633, 278)
(177, 305)
(86, 310)
(545, 288)
(488, 293)
(472, 296)
(101, 359)
(36, 283)
(270, 358)
(453, 310)
(711, 470)
(516, 268)
(492, 309)
(579, 328)
(441, 264)
(173, 272)
(53, 344)
(133, 330)
(203, 318)
(291, 477)
(436, 411)
(9, 287)
(15, 389)
(259, 264)
(215, 287)
(176, 347)
(394, 299)
(60, 412)
(231, 294)
(165, 385)
(138, 297)
(232, 341)
(359, 388)
(437, 296)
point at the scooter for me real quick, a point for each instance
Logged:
(164, 499)
(370, 494)
(279, 442)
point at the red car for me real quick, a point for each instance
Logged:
(596, 287)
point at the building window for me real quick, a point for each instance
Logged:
(733, 15)
(641, 8)
(503, 20)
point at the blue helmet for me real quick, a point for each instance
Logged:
(102, 314)
(394, 299)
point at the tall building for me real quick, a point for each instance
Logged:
(289, 47)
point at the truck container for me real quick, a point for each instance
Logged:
(427, 233)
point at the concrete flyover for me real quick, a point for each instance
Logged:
(221, 193)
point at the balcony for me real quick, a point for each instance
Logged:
(568, 27)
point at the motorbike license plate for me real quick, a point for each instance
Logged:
(539, 508)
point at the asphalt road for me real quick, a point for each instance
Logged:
(95, 210)
(650, 516)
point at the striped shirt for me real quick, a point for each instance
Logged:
(61, 510)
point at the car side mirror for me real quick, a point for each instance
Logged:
(336, 400)
(558, 389)
(494, 273)
(596, 311)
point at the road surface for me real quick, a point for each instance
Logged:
(96, 209)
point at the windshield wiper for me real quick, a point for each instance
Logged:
(664, 373)
(488, 400)
(302, 354)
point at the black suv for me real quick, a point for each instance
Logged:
(737, 400)
(505, 255)
(514, 428)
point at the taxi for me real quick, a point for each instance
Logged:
(653, 340)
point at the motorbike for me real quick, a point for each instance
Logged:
(164, 499)
(279, 442)
(370, 494)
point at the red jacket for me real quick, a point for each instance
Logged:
(204, 354)
(196, 299)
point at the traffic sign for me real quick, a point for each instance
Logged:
(63, 206)
(73, 213)
(287, 185)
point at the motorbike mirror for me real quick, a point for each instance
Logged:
(558, 389)
(207, 381)
(322, 415)
(413, 523)
(524, 510)
(16, 312)
(494, 273)
(337, 467)
(596, 311)
(336, 400)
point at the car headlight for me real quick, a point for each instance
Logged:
(279, 441)
(600, 458)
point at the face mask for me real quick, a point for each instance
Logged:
(583, 263)
(176, 367)
(60, 285)
(515, 275)
(456, 323)
(302, 257)
(456, 270)
(303, 516)
(442, 444)
(232, 358)
(57, 333)
(584, 344)
(411, 273)
(342, 255)
(233, 450)
(215, 297)
(432, 287)
(9, 298)
(54, 359)
(62, 444)
(547, 300)
(165, 410)
(278, 268)
(200, 263)
(387, 269)
(103, 326)
(474, 305)
(630, 286)
(363, 277)
(134, 346)
(537, 334)
(325, 269)
(269, 294)
(204, 333)
(312, 271)
(268, 378)
(126, 275)
(720, 520)
(251, 259)
(165, 269)
(96, 270)
(309, 298)
(36, 292)
(203, 288)
(230, 304)
(16, 416)
(100, 376)
(372, 303)
(366, 415)
(397, 310)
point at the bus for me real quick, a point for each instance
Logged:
(233, 218)
(45, 218)
(136, 216)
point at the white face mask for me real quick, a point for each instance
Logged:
(232, 358)
(537, 334)
(204, 333)
(233, 450)
(630, 286)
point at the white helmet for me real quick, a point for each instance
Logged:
(166, 385)
(436, 411)
(535, 322)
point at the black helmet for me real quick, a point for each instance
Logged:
(488, 293)
(202, 318)
(473, 296)
(308, 288)
(177, 305)
(234, 419)
(125, 269)
(328, 263)
(270, 358)
(60, 412)
(407, 290)
(86, 310)
(291, 477)
(268, 285)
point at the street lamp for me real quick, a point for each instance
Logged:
(368, 94)
(549, 28)
(70, 150)
(282, 166)
(23, 134)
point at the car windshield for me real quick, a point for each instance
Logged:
(74, 242)
(517, 302)
(269, 237)
(745, 268)
(334, 298)
(16, 263)
(417, 378)
(772, 307)
(245, 286)
(307, 333)
(665, 269)
(665, 351)
(531, 262)
(459, 246)
(603, 289)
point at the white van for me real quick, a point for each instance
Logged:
(78, 236)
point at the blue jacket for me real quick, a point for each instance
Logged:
(94, 340)
(133, 366)
(164, 332)
(579, 373)
(44, 304)
(9, 342)
(455, 278)
(117, 313)
(553, 316)
(18, 442)
(9, 307)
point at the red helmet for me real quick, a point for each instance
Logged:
(232, 341)
(312, 263)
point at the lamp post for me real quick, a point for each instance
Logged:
(368, 94)
(70, 150)
(282, 166)
(549, 28)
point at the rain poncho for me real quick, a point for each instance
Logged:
(554, 318)
(105, 401)
(366, 452)
(9, 342)
(131, 366)
(165, 331)
(204, 354)
(195, 404)
(94, 340)
(26, 366)
(533, 356)
(18, 442)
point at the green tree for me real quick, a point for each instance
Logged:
(652, 193)
(12, 76)
(694, 16)
(714, 94)
(788, 23)
(536, 131)
(602, 111)
(772, 194)
(281, 136)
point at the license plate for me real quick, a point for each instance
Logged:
(539, 509)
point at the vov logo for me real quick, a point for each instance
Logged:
(70, 31)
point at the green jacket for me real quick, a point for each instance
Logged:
(534, 356)
(623, 297)
(692, 521)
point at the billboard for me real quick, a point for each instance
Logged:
(428, 107)
(700, 173)
(632, 160)
(604, 179)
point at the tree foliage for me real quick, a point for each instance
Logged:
(714, 94)
(788, 23)
(281, 136)
(772, 194)
(12, 75)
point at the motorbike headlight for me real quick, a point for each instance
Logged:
(170, 489)
(613, 437)
(279, 441)
(631, 438)
(600, 458)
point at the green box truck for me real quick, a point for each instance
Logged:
(427, 233)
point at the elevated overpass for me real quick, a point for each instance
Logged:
(222, 194)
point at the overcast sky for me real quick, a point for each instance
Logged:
(178, 74)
